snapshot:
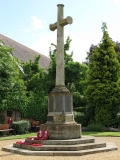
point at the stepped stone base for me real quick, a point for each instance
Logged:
(74, 147)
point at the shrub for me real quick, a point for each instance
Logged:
(95, 127)
(21, 126)
(79, 117)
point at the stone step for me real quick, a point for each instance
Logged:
(83, 140)
(75, 147)
(109, 147)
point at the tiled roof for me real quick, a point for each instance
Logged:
(23, 53)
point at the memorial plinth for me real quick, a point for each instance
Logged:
(60, 119)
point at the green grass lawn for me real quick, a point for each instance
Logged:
(102, 134)
(22, 136)
(95, 134)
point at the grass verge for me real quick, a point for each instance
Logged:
(22, 136)
(102, 134)
(95, 134)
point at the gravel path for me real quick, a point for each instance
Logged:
(112, 155)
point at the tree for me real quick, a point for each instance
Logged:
(117, 49)
(103, 90)
(75, 74)
(34, 78)
(92, 47)
(89, 53)
(12, 88)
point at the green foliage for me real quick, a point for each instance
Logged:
(103, 90)
(24, 92)
(34, 78)
(81, 83)
(12, 89)
(95, 128)
(32, 74)
(2, 118)
(79, 100)
(21, 127)
(37, 107)
(92, 48)
(51, 75)
(72, 68)
(79, 118)
(89, 53)
(117, 50)
(80, 109)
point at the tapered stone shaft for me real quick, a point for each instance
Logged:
(59, 25)
(60, 74)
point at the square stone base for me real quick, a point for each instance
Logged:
(63, 131)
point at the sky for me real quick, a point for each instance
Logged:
(27, 22)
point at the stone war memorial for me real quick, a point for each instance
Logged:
(60, 119)
(65, 136)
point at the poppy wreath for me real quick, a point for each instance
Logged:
(37, 145)
(42, 134)
(27, 143)
(33, 138)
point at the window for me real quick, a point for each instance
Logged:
(9, 113)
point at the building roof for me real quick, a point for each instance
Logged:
(23, 53)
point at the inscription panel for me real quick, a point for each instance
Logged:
(67, 103)
(59, 104)
(50, 104)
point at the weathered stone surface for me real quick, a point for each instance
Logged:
(60, 89)
(63, 131)
(82, 140)
(60, 102)
(60, 118)
(67, 20)
(50, 103)
(59, 105)
(61, 147)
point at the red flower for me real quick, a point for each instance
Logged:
(37, 145)
(19, 142)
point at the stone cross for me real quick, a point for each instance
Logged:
(59, 25)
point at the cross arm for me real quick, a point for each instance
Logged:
(63, 22)
(66, 21)
(52, 27)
